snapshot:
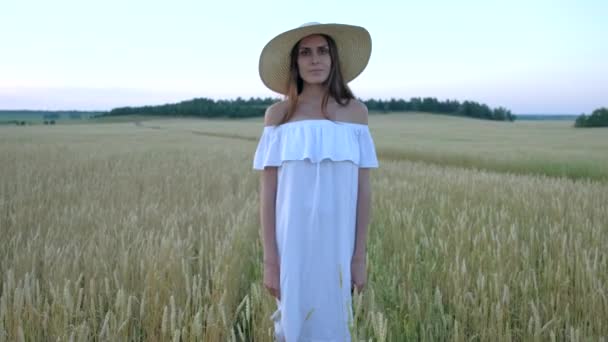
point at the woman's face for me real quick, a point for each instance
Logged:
(314, 60)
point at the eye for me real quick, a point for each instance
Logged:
(323, 50)
(304, 52)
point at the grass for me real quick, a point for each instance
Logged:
(551, 148)
(151, 232)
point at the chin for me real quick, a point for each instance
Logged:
(316, 80)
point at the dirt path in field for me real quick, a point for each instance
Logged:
(203, 133)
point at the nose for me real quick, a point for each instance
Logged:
(315, 58)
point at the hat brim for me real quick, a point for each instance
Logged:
(354, 46)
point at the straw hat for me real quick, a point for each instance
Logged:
(354, 49)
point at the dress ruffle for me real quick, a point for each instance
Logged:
(316, 140)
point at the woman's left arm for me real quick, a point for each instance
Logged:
(363, 214)
(358, 262)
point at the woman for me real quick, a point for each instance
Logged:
(315, 152)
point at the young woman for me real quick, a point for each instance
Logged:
(315, 152)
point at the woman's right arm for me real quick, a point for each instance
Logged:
(271, 267)
(268, 196)
(268, 191)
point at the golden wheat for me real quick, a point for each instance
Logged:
(123, 232)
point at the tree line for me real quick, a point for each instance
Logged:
(203, 107)
(241, 108)
(450, 107)
(599, 118)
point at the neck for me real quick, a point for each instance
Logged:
(312, 93)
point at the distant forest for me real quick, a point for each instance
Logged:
(241, 108)
(599, 118)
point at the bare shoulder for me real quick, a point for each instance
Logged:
(357, 112)
(275, 113)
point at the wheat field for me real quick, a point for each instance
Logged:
(149, 230)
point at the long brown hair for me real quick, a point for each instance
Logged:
(334, 84)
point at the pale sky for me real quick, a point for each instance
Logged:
(529, 56)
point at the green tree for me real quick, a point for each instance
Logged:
(599, 118)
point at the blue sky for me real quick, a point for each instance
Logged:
(528, 56)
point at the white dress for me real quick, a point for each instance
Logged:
(316, 207)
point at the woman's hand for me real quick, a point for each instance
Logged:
(271, 278)
(358, 273)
